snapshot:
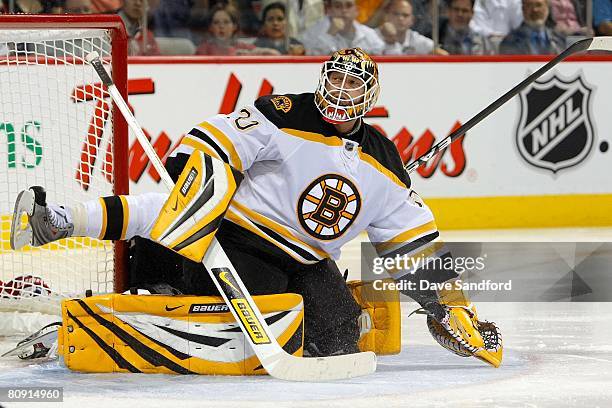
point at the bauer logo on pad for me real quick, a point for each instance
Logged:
(208, 308)
(554, 131)
(193, 173)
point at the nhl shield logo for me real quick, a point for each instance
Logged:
(554, 131)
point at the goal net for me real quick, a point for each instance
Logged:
(59, 130)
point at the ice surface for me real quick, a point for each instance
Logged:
(557, 354)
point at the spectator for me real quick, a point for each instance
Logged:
(105, 6)
(457, 37)
(567, 19)
(171, 18)
(339, 29)
(303, 14)
(371, 12)
(423, 16)
(533, 36)
(222, 31)
(397, 34)
(496, 18)
(78, 7)
(274, 31)
(133, 14)
(602, 16)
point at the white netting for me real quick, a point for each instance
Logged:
(55, 131)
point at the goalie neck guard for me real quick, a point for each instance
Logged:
(348, 86)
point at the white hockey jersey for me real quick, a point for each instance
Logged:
(307, 189)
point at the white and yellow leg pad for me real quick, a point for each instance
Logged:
(195, 208)
(463, 334)
(380, 321)
(170, 334)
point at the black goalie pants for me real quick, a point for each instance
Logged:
(330, 311)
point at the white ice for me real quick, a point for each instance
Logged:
(555, 355)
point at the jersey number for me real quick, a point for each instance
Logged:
(243, 121)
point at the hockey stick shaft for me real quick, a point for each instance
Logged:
(273, 358)
(587, 44)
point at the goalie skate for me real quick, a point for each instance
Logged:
(37, 345)
(46, 223)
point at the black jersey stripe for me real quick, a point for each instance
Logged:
(209, 141)
(114, 218)
(280, 239)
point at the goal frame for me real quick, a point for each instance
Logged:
(119, 52)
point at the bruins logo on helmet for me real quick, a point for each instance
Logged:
(348, 86)
(282, 103)
(357, 61)
(328, 206)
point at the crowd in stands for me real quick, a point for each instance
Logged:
(319, 27)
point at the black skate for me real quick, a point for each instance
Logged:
(46, 223)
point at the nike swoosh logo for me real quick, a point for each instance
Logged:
(223, 277)
(169, 309)
(175, 204)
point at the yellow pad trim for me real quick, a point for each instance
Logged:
(384, 334)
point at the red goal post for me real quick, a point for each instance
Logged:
(60, 129)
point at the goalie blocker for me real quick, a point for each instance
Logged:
(196, 205)
(197, 334)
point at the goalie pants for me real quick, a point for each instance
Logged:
(330, 310)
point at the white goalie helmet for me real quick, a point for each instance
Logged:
(348, 87)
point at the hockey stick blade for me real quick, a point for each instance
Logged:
(585, 45)
(277, 362)
(600, 44)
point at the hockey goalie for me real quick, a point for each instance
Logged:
(282, 184)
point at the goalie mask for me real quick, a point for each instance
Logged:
(348, 86)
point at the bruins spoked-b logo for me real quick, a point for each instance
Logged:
(328, 206)
(554, 131)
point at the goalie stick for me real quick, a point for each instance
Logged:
(587, 44)
(277, 362)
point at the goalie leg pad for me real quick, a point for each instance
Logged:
(171, 334)
(191, 216)
(380, 321)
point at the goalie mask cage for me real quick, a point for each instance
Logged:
(59, 129)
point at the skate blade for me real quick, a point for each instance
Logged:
(21, 235)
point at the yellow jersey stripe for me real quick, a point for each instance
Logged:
(336, 141)
(104, 218)
(246, 224)
(380, 168)
(314, 137)
(199, 145)
(126, 215)
(279, 229)
(408, 235)
(225, 142)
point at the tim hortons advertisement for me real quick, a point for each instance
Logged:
(549, 142)
(551, 139)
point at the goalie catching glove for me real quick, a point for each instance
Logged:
(455, 326)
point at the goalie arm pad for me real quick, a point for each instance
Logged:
(196, 206)
(380, 321)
